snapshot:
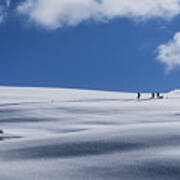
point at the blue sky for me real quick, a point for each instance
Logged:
(131, 52)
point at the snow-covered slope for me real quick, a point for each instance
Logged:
(76, 134)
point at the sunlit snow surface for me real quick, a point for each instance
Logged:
(88, 135)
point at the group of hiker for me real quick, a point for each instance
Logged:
(153, 95)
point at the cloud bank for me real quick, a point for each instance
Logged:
(54, 14)
(169, 53)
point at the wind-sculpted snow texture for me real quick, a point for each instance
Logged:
(88, 135)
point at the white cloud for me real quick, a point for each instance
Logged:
(57, 13)
(3, 9)
(54, 14)
(170, 53)
(2, 14)
(8, 2)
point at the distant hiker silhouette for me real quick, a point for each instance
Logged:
(138, 95)
(158, 96)
(152, 95)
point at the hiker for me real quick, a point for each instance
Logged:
(152, 95)
(138, 95)
(158, 96)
